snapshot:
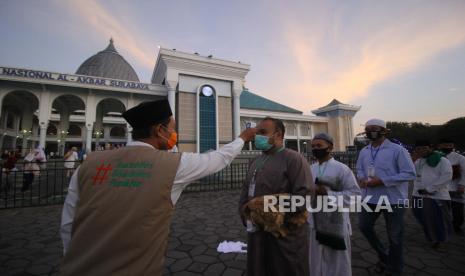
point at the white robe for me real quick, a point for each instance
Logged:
(435, 180)
(325, 261)
(457, 159)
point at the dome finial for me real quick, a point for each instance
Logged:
(111, 47)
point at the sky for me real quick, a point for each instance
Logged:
(398, 60)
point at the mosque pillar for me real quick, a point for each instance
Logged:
(237, 112)
(43, 134)
(98, 127)
(298, 137)
(90, 119)
(128, 133)
(2, 137)
(88, 138)
(351, 131)
(44, 116)
(172, 96)
(26, 127)
(13, 145)
(63, 130)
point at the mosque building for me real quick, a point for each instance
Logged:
(59, 110)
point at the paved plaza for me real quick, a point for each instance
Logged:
(30, 243)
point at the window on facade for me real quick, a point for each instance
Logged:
(207, 119)
(10, 123)
(118, 131)
(74, 130)
(51, 130)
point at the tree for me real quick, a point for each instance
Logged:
(455, 131)
(408, 133)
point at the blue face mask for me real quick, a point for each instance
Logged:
(261, 143)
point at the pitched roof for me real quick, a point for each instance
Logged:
(334, 102)
(250, 100)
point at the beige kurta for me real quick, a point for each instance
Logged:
(283, 172)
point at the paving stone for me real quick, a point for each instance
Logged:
(212, 252)
(236, 264)
(197, 267)
(360, 272)
(232, 272)
(215, 269)
(369, 256)
(199, 249)
(205, 259)
(17, 263)
(30, 241)
(177, 254)
(227, 256)
(186, 273)
(180, 265)
(414, 262)
(360, 263)
(184, 247)
(169, 261)
(39, 269)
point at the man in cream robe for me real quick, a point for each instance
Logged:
(330, 251)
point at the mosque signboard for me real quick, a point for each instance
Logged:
(69, 78)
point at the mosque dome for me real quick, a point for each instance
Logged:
(108, 64)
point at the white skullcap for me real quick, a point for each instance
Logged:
(325, 137)
(376, 122)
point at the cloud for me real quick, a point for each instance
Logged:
(352, 67)
(103, 23)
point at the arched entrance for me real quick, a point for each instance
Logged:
(110, 127)
(17, 121)
(65, 108)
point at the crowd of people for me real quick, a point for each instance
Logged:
(34, 161)
(116, 216)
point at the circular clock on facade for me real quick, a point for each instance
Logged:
(207, 91)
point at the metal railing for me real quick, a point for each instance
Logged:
(50, 182)
(34, 184)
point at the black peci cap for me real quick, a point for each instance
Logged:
(148, 113)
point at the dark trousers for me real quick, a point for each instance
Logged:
(28, 178)
(434, 216)
(392, 257)
(457, 215)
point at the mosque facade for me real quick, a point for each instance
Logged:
(210, 103)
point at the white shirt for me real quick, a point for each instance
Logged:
(69, 162)
(433, 179)
(457, 159)
(192, 166)
(335, 169)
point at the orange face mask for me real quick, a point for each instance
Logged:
(172, 140)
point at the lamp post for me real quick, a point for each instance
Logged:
(25, 135)
(62, 142)
(98, 133)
